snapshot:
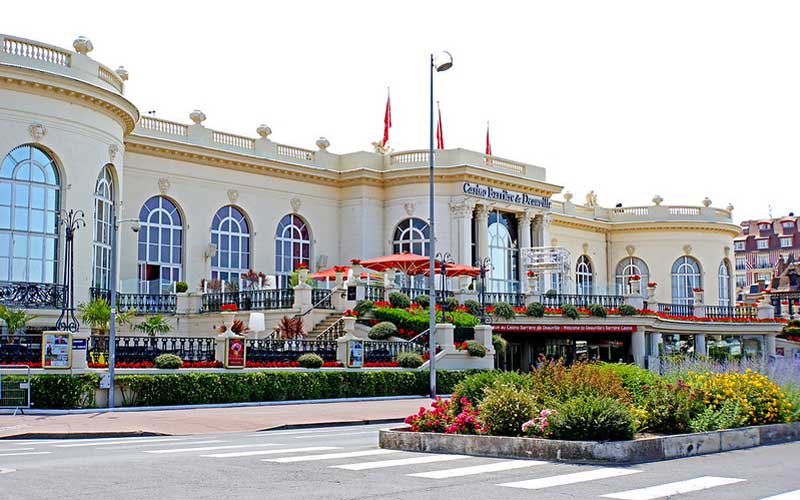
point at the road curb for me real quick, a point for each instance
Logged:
(82, 435)
(345, 423)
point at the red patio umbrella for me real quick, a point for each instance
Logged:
(407, 263)
(455, 270)
(330, 274)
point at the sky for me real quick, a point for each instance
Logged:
(685, 99)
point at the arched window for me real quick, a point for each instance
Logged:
(724, 282)
(231, 234)
(103, 214)
(503, 252)
(160, 245)
(685, 278)
(412, 235)
(584, 277)
(292, 244)
(627, 267)
(29, 202)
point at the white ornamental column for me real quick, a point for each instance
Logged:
(524, 231)
(462, 232)
(482, 233)
(638, 346)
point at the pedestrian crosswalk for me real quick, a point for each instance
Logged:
(564, 479)
(676, 488)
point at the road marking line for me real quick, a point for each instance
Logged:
(7, 471)
(478, 469)
(402, 461)
(277, 433)
(577, 477)
(99, 440)
(328, 456)
(16, 449)
(271, 452)
(676, 488)
(25, 453)
(210, 448)
(317, 436)
(374, 428)
(789, 495)
(109, 443)
(133, 446)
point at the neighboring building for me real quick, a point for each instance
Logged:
(760, 246)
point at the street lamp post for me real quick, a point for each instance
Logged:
(442, 63)
(485, 266)
(112, 327)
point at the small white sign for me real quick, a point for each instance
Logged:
(105, 381)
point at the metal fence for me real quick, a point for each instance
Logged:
(382, 351)
(33, 295)
(580, 300)
(131, 349)
(21, 349)
(373, 293)
(731, 312)
(151, 303)
(250, 300)
(676, 309)
(15, 386)
(285, 351)
(321, 298)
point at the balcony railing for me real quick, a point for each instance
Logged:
(250, 300)
(676, 309)
(413, 292)
(20, 349)
(285, 351)
(731, 312)
(514, 298)
(374, 293)
(387, 350)
(131, 349)
(33, 295)
(321, 298)
(580, 300)
(146, 303)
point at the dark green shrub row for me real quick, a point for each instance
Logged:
(210, 388)
(58, 391)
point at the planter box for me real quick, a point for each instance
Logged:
(619, 452)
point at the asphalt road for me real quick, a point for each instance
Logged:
(345, 463)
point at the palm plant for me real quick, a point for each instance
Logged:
(97, 314)
(154, 325)
(15, 318)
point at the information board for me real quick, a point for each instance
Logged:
(355, 353)
(56, 350)
(235, 352)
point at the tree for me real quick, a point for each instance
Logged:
(154, 325)
(97, 314)
(15, 318)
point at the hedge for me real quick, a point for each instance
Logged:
(214, 388)
(59, 391)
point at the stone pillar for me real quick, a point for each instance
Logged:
(339, 298)
(769, 346)
(462, 232)
(700, 344)
(765, 310)
(655, 342)
(634, 299)
(638, 347)
(699, 310)
(445, 335)
(482, 233)
(483, 334)
(524, 231)
(302, 302)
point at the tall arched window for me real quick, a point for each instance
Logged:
(724, 283)
(231, 234)
(627, 267)
(584, 277)
(292, 245)
(103, 214)
(29, 202)
(412, 235)
(160, 245)
(685, 278)
(503, 252)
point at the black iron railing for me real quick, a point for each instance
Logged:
(131, 349)
(373, 293)
(285, 351)
(321, 298)
(441, 295)
(579, 300)
(33, 295)
(413, 292)
(731, 312)
(785, 303)
(382, 351)
(676, 309)
(21, 348)
(250, 300)
(147, 303)
(513, 298)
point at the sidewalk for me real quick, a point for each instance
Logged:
(206, 420)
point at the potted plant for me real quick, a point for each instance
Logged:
(97, 314)
(698, 295)
(154, 325)
(15, 319)
(302, 272)
(228, 312)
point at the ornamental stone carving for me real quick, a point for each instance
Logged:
(197, 116)
(568, 197)
(727, 251)
(113, 149)
(163, 185)
(706, 202)
(83, 45)
(483, 211)
(729, 208)
(524, 217)
(657, 199)
(295, 202)
(323, 143)
(409, 208)
(591, 199)
(687, 249)
(122, 73)
(630, 249)
(263, 131)
(461, 210)
(233, 195)
(37, 131)
(586, 248)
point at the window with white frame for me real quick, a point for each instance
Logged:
(103, 219)
(766, 277)
(584, 277)
(724, 282)
(412, 235)
(230, 232)
(504, 253)
(29, 203)
(738, 246)
(741, 280)
(762, 261)
(788, 225)
(627, 267)
(686, 278)
(762, 244)
(786, 242)
(765, 226)
(292, 246)
(160, 245)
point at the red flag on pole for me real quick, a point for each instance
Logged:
(439, 133)
(387, 119)
(488, 142)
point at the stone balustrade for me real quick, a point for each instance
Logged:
(650, 213)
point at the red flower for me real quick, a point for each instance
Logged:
(300, 266)
(229, 307)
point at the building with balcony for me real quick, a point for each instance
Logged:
(214, 205)
(760, 246)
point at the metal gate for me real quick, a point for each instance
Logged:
(15, 387)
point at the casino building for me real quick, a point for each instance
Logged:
(212, 205)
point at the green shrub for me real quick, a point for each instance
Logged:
(474, 386)
(382, 331)
(423, 300)
(409, 360)
(476, 349)
(168, 362)
(670, 408)
(503, 310)
(535, 309)
(726, 416)
(61, 391)
(474, 307)
(416, 320)
(310, 360)
(363, 306)
(451, 303)
(597, 310)
(500, 344)
(505, 407)
(551, 293)
(592, 418)
(399, 299)
(637, 381)
(569, 311)
(181, 287)
(553, 383)
(627, 310)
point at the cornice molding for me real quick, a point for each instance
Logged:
(597, 226)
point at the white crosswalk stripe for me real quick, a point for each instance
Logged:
(209, 448)
(563, 479)
(110, 443)
(478, 469)
(270, 452)
(329, 456)
(402, 461)
(25, 453)
(676, 488)
(789, 495)
(4, 450)
(7, 471)
(317, 436)
(144, 445)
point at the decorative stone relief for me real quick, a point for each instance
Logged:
(631, 250)
(586, 248)
(263, 131)
(461, 210)
(163, 185)
(483, 211)
(547, 219)
(295, 202)
(727, 251)
(554, 242)
(591, 199)
(729, 208)
(197, 116)
(233, 195)
(568, 197)
(409, 208)
(37, 131)
(122, 73)
(323, 143)
(657, 199)
(706, 202)
(687, 249)
(83, 45)
(113, 149)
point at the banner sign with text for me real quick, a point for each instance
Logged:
(519, 328)
(505, 195)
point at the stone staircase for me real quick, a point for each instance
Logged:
(324, 325)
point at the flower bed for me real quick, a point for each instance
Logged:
(150, 364)
(288, 364)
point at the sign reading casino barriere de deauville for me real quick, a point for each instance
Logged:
(506, 195)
